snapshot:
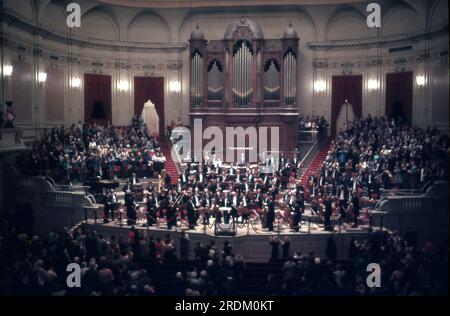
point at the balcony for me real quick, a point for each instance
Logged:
(11, 140)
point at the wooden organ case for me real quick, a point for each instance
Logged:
(245, 81)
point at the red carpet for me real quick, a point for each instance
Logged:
(315, 164)
(170, 164)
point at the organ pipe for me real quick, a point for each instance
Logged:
(243, 79)
(196, 79)
(289, 78)
(244, 76)
(271, 81)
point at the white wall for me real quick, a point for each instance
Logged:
(134, 42)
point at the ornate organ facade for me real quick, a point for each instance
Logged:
(245, 81)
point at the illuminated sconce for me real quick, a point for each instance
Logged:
(42, 77)
(123, 85)
(7, 70)
(76, 83)
(174, 86)
(372, 84)
(320, 86)
(420, 80)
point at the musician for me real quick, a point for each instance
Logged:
(150, 188)
(223, 184)
(127, 186)
(152, 205)
(218, 202)
(171, 213)
(201, 185)
(213, 185)
(328, 212)
(130, 205)
(192, 222)
(192, 184)
(299, 208)
(225, 201)
(235, 201)
(206, 203)
(200, 173)
(134, 179)
(251, 178)
(243, 204)
(343, 202)
(167, 181)
(184, 177)
(259, 200)
(110, 201)
(356, 209)
(232, 170)
(270, 212)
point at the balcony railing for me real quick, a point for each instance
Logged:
(11, 140)
(308, 136)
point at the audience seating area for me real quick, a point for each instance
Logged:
(140, 265)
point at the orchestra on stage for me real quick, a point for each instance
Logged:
(210, 193)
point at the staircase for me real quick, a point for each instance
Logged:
(315, 164)
(170, 165)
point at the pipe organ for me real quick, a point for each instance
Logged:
(245, 80)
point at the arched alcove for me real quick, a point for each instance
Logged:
(54, 17)
(147, 27)
(346, 23)
(401, 19)
(99, 23)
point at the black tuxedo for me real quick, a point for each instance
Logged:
(206, 203)
(356, 209)
(327, 214)
(151, 210)
(270, 214)
(131, 208)
(191, 213)
(110, 200)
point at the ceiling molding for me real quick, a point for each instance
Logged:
(91, 43)
(174, 4)
(377, 41)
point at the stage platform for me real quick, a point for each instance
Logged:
(250, 240)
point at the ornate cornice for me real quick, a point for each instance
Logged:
(387, 41)
(59, 57)
(439, 54)
(98, 44)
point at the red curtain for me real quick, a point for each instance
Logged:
(97, 91)
(150, 88)
(399, 94)
(345, 88)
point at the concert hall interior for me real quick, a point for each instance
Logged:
(202, 148)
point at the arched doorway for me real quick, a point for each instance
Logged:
(399, 94)
(345, 115)
(398, 112)
(150, 88)
(346, 97)
(97, 98)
